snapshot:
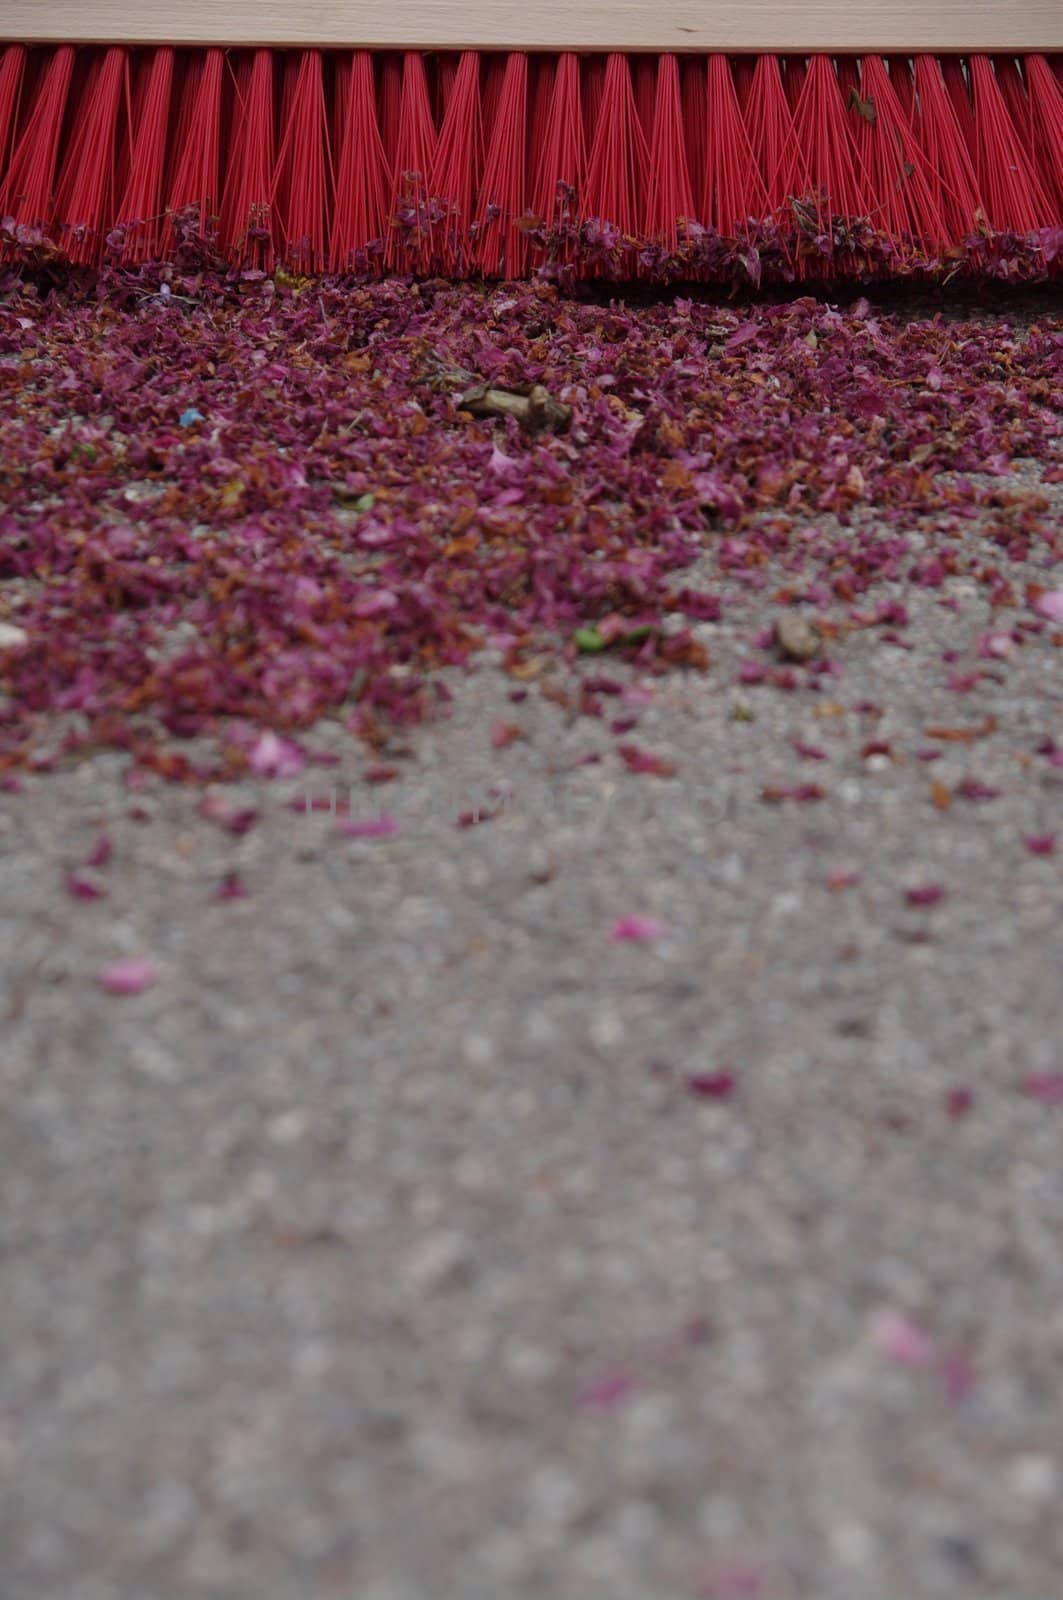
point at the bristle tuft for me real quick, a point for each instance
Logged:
(502, 244)
(363, 178)
(27, 191)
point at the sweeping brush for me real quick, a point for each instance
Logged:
(793, 140)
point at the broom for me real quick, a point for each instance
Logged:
(789, 140)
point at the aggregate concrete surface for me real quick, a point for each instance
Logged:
(413, 1236)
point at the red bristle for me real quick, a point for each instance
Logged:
(560, 156)
(949, 166)
(502, 243)
(458, 162)
(593, 92)
(900, 69)
(1009, 78)
(644, 86)
(247, 207)
(794, 73)
(195, 181)
(86, 190)
(410, 242)
(140, 208)
(12, 71)
(303, 177)
(541, 71)
(771, 135)
(952, 71)
(742, 70)
(363, 177)
(185, 66)
(29, 184)
(389, 100)
(670, 197)
(733, 190)
(446, 76)
(616, 165)
(824, 136)
(494, 71)
(1046, 108)
(1015, 200)
(693, 88)
(847, 69)
(901, 201)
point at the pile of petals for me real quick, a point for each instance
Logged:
(231, 503)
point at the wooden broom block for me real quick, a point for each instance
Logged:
(758, 26)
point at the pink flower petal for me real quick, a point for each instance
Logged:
(899, 1338)
(127, 975)
(100, 853)
(973, 789)
(81, 888)
(232, 887)
(273, 757)
(1046, 1087)
(732, 1583)
(607, 1392)
(505, 733)
(712, 1085)
(238, 820)
(998, 646)
(959, 1100)
(956, 1375)
(382, 827)
(1041, 844)
(927, 894)
(1050, 605)
(637, 760)
(638, 930)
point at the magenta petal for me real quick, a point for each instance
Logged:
(81, 888)
(382, 827)
(712, 1085)
(973, 789)
(957, 1376)
(959, 1100)
(998, 646)
(927, 894)
(1041, 844)
(1050, 605)
(637, 930)
(232, 887)
(1046, 1087)
(100, 853)
(899, 1338)
(273, 757)
(127, 975)
(242, 820)
(607, 1392)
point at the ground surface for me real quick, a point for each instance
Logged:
(415, 1232)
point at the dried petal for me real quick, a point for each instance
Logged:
(637, 929)
(79, 887)
(1050, 605)
(382, 827)
(712, 1085)
(927, 894)
(901, 1339)
(128, 975)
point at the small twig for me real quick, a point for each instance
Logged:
(536, 410)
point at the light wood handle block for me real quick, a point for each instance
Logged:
(768, 26)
